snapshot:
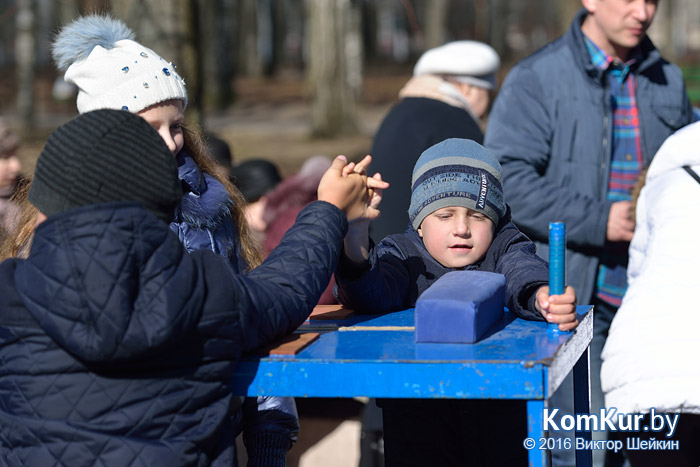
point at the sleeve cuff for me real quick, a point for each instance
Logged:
(267, 449)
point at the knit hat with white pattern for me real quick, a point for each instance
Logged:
(111, 70)
(456, 172)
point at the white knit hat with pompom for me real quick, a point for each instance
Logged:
(111, 70)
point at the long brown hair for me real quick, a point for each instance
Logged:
(250, 248)
(18, 242)
(637, 190)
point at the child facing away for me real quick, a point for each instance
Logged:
(112, 71)
(459, 221)
(117, 345)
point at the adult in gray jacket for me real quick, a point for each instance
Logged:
(572, 127)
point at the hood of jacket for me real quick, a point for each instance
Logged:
(107, 283)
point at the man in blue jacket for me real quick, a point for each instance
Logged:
(573, 126)
(117, 346)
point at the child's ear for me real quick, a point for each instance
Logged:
(420, 232)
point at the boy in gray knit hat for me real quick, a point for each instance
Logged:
(459, 221)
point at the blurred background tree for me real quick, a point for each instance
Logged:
(334, 48)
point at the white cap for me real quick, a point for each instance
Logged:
(111, 70)
(472, 62)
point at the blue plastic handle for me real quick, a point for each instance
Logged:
(557, 261)
(557, 257)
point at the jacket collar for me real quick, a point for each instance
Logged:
(487, 263)
(189, 173)
(205, 204)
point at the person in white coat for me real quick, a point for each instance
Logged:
(651, 359)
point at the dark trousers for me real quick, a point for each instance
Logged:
(454, 433)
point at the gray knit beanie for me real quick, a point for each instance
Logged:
(105, 156)
(456, 172)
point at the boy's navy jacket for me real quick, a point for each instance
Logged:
(399, 269)
(117, 347)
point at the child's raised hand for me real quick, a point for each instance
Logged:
(559, 309)
(348, 187)
(375, 185)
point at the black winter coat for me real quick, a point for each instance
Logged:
(117, 346)
(400, 268)
(412, 126)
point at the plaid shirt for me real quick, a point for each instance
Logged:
(625, 166)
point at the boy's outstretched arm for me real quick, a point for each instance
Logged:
(559, 309)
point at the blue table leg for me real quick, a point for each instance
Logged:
(582, 405)
(535, 431)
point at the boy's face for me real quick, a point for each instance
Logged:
(456, 236)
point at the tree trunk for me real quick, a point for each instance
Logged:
(187, 34)
(498, 27)
(435, 23)
(217, 51)
(567, 11)
(335, 66)
(249, 63)
(25, 50)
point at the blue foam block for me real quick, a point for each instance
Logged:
(460, 307)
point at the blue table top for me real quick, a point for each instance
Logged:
(376, 356)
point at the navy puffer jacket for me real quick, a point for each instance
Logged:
(400, 268)
(203, 219)
(117, 346)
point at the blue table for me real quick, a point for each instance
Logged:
(376, 356)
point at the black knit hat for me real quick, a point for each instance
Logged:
(105, 156)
